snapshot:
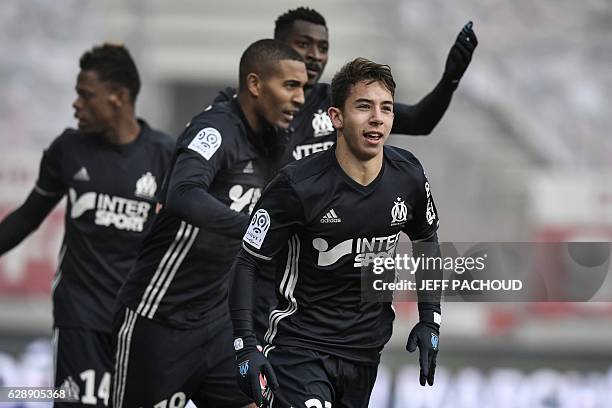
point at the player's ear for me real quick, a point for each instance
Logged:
(335, 115)
(253, 83)
(120, 97)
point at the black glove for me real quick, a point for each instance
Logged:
(460, 54)
(252, 363)
(425, 336)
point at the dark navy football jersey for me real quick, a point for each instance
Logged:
(181, 274)
(111, 193)
(324, 227)
(312, 131)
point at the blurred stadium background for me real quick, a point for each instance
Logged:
(523, 154)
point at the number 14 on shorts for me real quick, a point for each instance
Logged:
(89, 380)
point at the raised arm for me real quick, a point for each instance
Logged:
(422, 118)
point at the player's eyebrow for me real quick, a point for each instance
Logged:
(292, 82)
(371, 101)
(310, 38)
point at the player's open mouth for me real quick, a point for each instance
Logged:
(312, 73)
(373, 137)
(312, 70)
(79, 118)
(289, 115)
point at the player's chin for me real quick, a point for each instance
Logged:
(312, 80)
(369, 151)
(85, 127)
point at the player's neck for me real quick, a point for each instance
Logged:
(248, 109)
(126, 131)
(362, 171)
(308, 90)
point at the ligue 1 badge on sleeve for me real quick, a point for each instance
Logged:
(258, 228)
(206, 142)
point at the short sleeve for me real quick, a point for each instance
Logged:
(425, 221)
(50, 181)
(275, 219)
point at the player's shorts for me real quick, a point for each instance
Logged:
(157, 366)
(317, 380)
(83, 365)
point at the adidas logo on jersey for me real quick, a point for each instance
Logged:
(331, 218)
(248, 169)
(81, 175)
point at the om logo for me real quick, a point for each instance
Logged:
(399, 212)
(322, 124)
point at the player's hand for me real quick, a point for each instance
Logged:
(460, 54)
(255, 374)
(425, 336)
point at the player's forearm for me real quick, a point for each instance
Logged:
(429, 300)
(24, 220)
(422, 118)
(188, 198)
(241, 296)
(196, 206)
(425, 115)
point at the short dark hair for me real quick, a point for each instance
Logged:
(284, 22)
(260, 56)
(359, 69)
(113, 63)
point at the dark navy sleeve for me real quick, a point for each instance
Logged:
(278, 214)
(242, 295)
(202, 151)
(48, 191)
(275, 219)
(429, 299)
(422, 118)
(24, 220)
(50, 182)
(424, 222)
